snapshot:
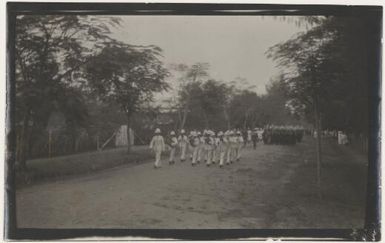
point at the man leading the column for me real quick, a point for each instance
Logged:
(157, 145)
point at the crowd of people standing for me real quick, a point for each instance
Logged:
(286, 135)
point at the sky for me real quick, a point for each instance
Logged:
(234, 46)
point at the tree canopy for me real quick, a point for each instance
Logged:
(127, 75)
(64, 60)
(327, 64)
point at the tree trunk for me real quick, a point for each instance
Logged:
(319, 151)
(17, 147)
(97, 142)
(49, 143)
(226, 118)
(245, 121)
(24, 142)
(185, 110)
(374, 190)
(179, 119)
(128, 133)
(77, 144)
(207, 123)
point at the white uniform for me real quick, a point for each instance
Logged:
(234, 146)
(228, 149)
(195, 147)
(239, 142)
(260, 134)
(222, 149)
(174, 143)
(183, 143)
(216, 153)
(249, 136)
(201, 148)
(190, 147)
(209, 142)
(157, 144)
(339, 138)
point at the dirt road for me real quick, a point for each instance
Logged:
(272, 187)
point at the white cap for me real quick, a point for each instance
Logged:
(172, 133)
(198, 133)
(220, 133)
(157, 130)
(182, 131)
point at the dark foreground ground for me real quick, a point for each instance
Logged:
(273, 186)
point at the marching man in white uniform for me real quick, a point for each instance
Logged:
(183, 143)
(200, 147)
(228, 146)
(157, 144)
(194, 142)
(221, 148)
(233, 146)
(239, 143)
(216, 153)
(204, 146)
(249, 133)
(209, 142)
(173, 144)
(190, 145)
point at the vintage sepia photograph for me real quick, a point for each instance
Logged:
(189, 121)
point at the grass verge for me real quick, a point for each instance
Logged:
(39, 170)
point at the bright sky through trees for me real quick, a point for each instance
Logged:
(234, 46)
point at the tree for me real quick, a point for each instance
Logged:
(127, 75)
(332, 66)
(192, 74)
(214, 97)
(244, 106)
(329, 60)
(49, 49)
(207, 101)
(326, 75)
(305, 57)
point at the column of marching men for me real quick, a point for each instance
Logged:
(200, 147)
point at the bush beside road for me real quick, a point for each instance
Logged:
(47, 169)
